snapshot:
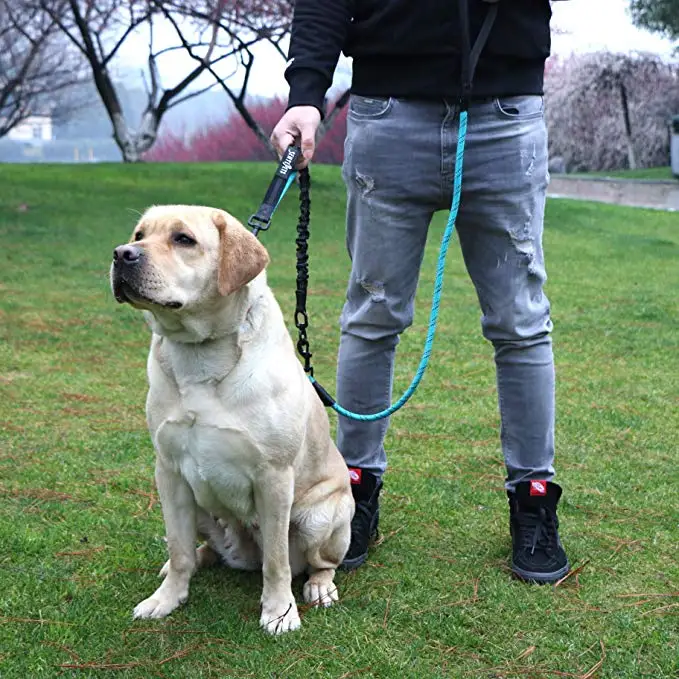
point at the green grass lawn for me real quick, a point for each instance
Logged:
(657, 173)
(81, 533)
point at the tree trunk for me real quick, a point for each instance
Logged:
(252, 123)
(134, 143)
(330, 118)
(628, 128)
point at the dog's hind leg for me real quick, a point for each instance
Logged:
(228, 542)
(235, 546)
(325, 557)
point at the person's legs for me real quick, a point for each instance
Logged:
(392, 171)
(500, 228)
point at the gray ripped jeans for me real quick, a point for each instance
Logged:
(398, 169)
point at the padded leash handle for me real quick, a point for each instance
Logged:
(282, 179)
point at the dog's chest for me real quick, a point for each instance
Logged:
(216, 457)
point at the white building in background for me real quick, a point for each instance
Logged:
(33, 129)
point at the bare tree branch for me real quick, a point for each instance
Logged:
(101, 28)
(237, 99)
(330, 117)
(34, 66)
(130, 29)
(195, 93)
(252, 21)
(277, 45)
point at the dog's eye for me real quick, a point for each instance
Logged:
(183, 239)
(139, 235)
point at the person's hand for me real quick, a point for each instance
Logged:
(299, 122)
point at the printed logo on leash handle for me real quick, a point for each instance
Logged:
(538, 487)
(288, 162)
(355, 476)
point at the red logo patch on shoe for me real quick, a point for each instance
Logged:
(355, 476)
(538, 487)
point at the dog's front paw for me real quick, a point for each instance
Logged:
(280, 616)
(159, 605)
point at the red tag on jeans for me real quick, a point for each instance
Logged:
(355, 476)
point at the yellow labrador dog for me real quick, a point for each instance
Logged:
(244, 457)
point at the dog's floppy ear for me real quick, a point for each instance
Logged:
(241, 255)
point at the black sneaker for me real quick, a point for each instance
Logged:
(366, 489)
(537, 553)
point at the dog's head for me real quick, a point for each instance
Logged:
(183, 257)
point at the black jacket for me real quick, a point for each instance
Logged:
(411, 48)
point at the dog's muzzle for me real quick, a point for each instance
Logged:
(127, 262)
(127, 277)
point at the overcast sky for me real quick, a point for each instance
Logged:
(589, 25)
(602, 24)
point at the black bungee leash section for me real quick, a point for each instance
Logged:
(283, 177)
(287, 171)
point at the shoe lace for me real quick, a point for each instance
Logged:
(539, 530)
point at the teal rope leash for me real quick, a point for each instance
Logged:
(285, 176)
(436, 298)
(301, 316)
(283, 179)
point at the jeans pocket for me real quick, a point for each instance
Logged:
(524, 107)
(369, 108)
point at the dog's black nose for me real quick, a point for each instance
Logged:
(129, 254)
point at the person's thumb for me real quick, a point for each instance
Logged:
(308, 134)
